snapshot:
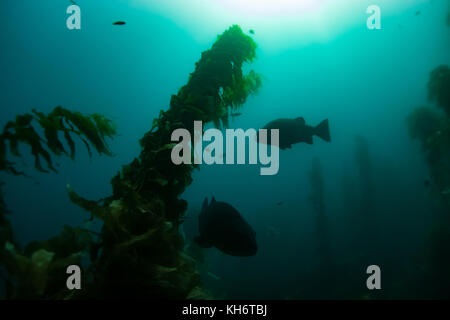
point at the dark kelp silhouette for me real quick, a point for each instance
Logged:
(438, 87)
(432, 129)
(326, 265)
(367, 218)
(38, 270)
(141, 252)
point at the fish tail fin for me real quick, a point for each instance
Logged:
(322, 130)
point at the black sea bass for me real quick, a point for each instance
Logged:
(223, 227)
(296, 130)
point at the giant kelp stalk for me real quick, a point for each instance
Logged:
(38, 270)
(139, 252)
(326, 263)
(349, 229)
(432, 129)
(5, 227)
(349, 207)
(142, 250)
(364, 163)
(318, 202)
(447, 19)
(367, 233)
(438, 85)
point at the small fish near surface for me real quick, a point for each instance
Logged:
(223, 227)
(292, 131)
(119, 23)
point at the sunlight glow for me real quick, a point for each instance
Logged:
(270, 8)
(278, 24)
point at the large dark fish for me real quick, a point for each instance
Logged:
(223, 227)
(119, 23)
(293, 131)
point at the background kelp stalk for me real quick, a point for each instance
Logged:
(139, 253)
(432, 129)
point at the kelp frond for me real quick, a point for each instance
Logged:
(91, 129)
(218, 82)
(39, 271)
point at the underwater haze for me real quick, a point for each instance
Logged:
(371, 196)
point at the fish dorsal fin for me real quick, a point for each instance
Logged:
(301, 119)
